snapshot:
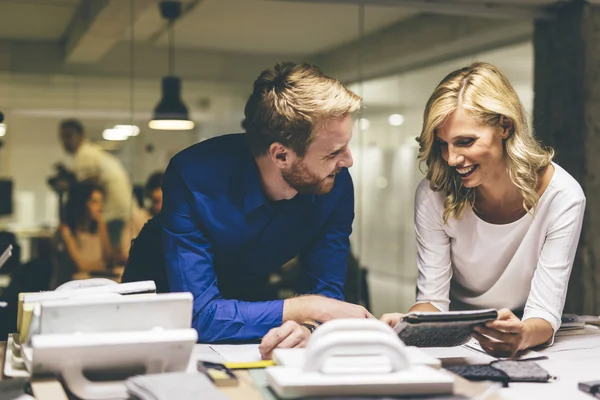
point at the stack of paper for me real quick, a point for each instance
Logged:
(571, 321)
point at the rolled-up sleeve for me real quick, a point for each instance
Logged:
(551, 278)
(190, 267)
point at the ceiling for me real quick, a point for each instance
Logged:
(277, 27)
(285, 27)
(65, 56)
(44, 20)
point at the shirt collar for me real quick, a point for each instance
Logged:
(254, 197)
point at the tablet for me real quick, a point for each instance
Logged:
(441, 329)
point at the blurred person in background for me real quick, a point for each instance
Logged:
(134, 225)
(91, 162)
(153, 192)
(82, 242)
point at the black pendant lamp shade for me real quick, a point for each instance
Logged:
(171, 113)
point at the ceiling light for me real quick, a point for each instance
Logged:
(115, 134)
(171, 113)
(171, 124)
(2, 130)
(131, 130)
(396, 119)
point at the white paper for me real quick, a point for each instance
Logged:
(465, 354)
(238, 352)
(574, 342)
(202, 352)
(524, 355)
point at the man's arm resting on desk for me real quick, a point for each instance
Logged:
(297, 314)
(321, 309)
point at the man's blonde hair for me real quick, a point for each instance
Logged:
(487, 95)
(289, 102)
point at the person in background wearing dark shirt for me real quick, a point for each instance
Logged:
(153, 192)
(237, 207)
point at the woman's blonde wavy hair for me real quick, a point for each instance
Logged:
(487, 95)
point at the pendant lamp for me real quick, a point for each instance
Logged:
(171, 113)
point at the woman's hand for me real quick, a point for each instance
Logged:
(391, 319)
(503, 337)
(99, 218)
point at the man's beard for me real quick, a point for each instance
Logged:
(305, 182)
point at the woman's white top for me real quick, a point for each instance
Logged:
(524, 265)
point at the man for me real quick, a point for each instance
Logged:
(153, 192)
(91, 162)
(237, 207)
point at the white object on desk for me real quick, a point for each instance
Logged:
(523, 355)
(124, 313)
(14, 365)
(113, 289)
(132, 334)
(297, 357)
(377, 363)
(72, 356)
(121, 288)
(590, 341)
(238, 352)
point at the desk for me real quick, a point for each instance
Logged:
(572, 358)
(248, 389)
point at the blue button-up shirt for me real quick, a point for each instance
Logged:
(223, 238)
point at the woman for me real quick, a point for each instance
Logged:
(497, 222)
(82, 239)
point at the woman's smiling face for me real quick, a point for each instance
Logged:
(475, 151)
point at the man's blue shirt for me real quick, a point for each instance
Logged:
(223, 238)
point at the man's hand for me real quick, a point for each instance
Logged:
(322, 309)
(287, 336)
(391, 319)
(503, 337)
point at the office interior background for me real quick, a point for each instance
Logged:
(102, 61)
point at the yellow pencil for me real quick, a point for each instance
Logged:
(249, 365)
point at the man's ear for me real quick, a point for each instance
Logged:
(280, 155)
(507, 127)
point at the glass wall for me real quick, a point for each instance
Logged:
(386, 171)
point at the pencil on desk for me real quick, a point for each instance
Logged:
(249, 365)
